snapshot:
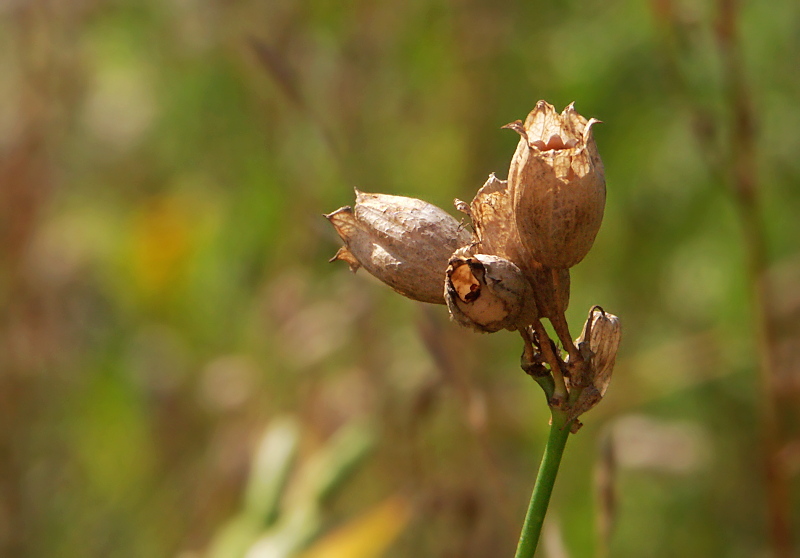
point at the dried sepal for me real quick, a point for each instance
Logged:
(557, 184)
(344, 254)
(404, 242)
(598, 342)
(493, 220)
(488, 293)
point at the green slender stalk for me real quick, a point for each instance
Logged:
(540, 499)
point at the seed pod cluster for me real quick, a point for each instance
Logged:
(543, 219)
(529, 231)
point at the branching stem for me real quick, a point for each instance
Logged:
(560, 390)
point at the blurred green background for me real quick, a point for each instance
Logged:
(165, 296)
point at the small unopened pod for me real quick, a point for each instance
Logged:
(599, 342)
(404, 242)
(488, 293)
(558, 185)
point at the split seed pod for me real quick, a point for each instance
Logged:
(599, 342)
(558, 185)
(404, 242)
(488, 293)
(496, 233)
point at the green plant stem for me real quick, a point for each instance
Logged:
(540, 499)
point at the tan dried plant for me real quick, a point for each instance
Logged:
(514, 269)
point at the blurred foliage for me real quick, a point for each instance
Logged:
(164, 291)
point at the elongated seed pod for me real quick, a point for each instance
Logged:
(404, 242)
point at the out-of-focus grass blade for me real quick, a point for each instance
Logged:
(367, 536)
(270, 469)
(301, 519)
(332, 465)
(269, 472)
(234, 537)
(292, 532)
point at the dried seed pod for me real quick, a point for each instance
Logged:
(488, 293)
(404, 242)
(557, 184)
(496, 233)
(599, 342)
(493, 219)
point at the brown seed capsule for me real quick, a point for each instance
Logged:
(558, 185)
(599, 342)
(404, 242)
(488, 293)
(496, 233)
(493, 219)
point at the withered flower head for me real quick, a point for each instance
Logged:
(404, 242)
(557, 185)
(488, 293)
(599, 341)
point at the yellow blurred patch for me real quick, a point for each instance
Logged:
(161, 243)
(368, 536)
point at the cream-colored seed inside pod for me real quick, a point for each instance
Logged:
(480, 304)
(465, 284)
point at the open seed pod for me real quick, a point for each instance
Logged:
(488, 293)
(557, 185)
(496, 233)
(404, 242)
